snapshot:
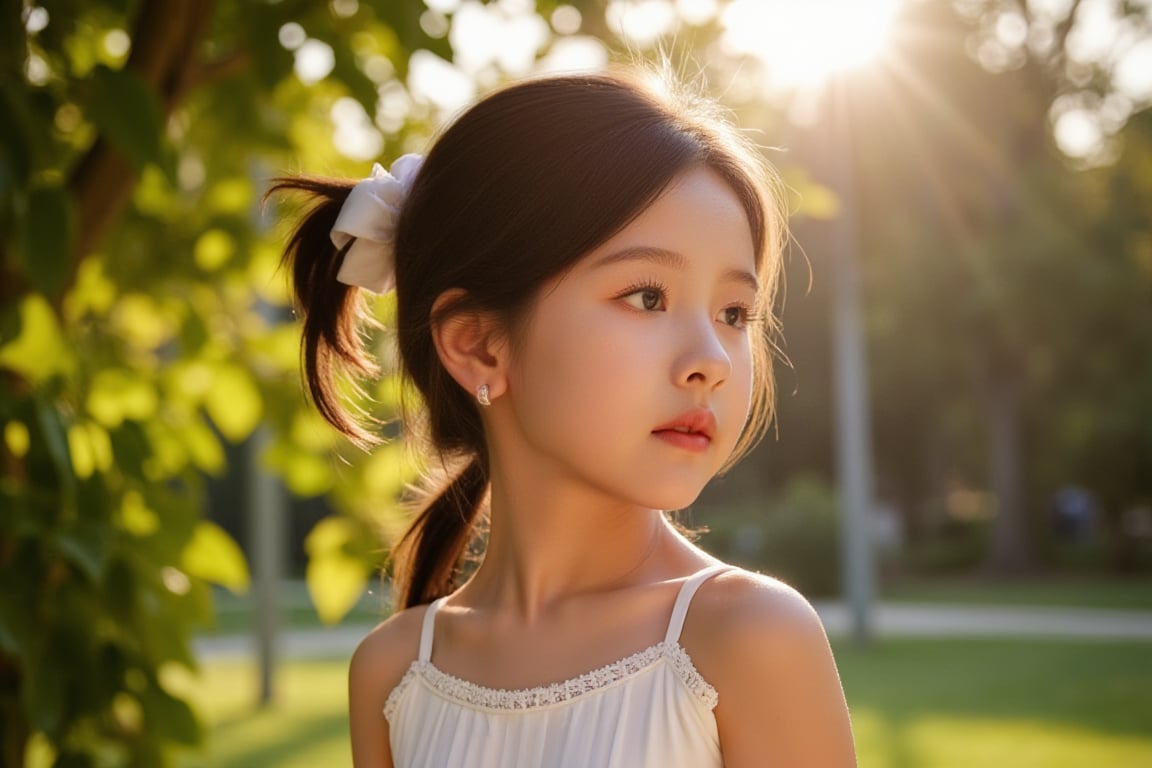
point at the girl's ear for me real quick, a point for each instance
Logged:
(471, 346)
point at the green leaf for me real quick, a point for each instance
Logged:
(117, 394)
(212, 555)
(86, 544)
(130, 447)
(46, 239)
(214, 249)
(162, 628)
(127, 113)
(199, 606)
(39, 352)
(202, 445)
(179, 514)
(336, 579)
(387, 471)
(168, 715)
(234, 402)
(305, 473)
(17, 438)
(44, 693)
(56, 441)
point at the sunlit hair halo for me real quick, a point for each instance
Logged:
(498, 208)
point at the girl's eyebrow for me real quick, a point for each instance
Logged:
(664, 257)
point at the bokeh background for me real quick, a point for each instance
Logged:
(960, 475)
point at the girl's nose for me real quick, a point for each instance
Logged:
(703, 359)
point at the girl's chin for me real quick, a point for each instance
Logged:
(671, 502)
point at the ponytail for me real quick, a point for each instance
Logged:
(334, 314)
(426, 558)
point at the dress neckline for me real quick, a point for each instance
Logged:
(574, 688)
(476, 696)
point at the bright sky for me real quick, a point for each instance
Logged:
(803, 42)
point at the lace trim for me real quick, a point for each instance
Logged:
(686, 670)
(557, 693)
(393, 700)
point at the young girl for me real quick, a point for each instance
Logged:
(584, 269)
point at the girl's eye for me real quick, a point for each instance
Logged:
(736, 316)
(647, 299)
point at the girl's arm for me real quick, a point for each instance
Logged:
(376, 668)
(765, 652)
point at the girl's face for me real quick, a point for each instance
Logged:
(634, 373)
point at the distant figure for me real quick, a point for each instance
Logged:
(584, 269)
(1074, 512)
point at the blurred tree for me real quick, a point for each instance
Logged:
(1078, 60)
(990, 276)
(1104, 386)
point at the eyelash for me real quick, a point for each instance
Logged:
(748, 315)
(645, 285)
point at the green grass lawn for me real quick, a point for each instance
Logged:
(914, 704)
(945, 703)
(306, 728)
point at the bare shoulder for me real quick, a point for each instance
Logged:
(377, 667)
(385, 653)
(761, 645)
(738, 607)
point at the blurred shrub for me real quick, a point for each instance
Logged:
(951, 548)
(793, 535)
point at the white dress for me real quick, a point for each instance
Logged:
(651, 709)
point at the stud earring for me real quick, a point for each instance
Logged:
(482, 395)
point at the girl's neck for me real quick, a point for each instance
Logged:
(545, 547)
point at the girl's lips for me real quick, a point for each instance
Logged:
(689, 441)
(698, 422)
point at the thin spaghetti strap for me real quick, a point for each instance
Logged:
(427, 629)
(684, 599)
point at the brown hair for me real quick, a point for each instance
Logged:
(500, 206)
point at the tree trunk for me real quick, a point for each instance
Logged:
(1010, 550)
(165, 41)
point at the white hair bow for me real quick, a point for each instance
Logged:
(368, 221)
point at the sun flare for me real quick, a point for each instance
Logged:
(804, 42)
